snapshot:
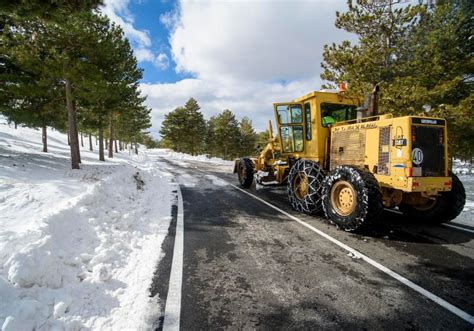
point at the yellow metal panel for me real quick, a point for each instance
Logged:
(371, 148)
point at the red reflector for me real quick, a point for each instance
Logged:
(415, 184)
(409, 172)
(447, 184)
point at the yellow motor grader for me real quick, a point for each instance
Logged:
(337, 155)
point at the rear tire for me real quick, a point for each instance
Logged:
(304, 186)
(447, 206)
(351, 198)
(245, 172)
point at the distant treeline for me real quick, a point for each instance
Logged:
(66, 66)
(186, 130)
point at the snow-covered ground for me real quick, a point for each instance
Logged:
(78, 248)
(176, 157)
(467, 215)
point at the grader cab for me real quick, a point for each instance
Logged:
(338, 156)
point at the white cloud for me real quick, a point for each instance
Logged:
(169, 19)
(262, 40)
(240, 53)
(118, 12)
(144, 54)
(161, 61)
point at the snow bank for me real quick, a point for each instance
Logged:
(175, 156)
(462, 167)
(78, 249)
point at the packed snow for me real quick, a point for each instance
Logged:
(78, 248)
(176, 157)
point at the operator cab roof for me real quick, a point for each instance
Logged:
(315, 93)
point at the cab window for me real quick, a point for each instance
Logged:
(334, 112)
(307, 118)
(292, 138)
(289, 114)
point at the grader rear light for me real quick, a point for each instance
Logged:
(409, 172)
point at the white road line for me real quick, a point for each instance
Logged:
(443, 303)
(173, 300)
(458, 227)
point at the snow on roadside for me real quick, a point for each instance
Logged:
(467, 215)
(176, 156)
(78, 249)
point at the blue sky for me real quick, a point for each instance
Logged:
(147, 17)
(240, 55)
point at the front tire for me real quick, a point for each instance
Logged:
(245, 172)
(444, 209)
(304, 186)
(351, 198)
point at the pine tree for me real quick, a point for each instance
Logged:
(382, 31)
(226, 133)
(195, 128)
(419, 55)
(173, 129)
(262, 139)
(248, 137)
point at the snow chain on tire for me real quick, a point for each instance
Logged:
(310, 203)
(365, 197)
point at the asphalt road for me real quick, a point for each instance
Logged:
(249, 266)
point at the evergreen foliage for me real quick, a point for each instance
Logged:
(419, 55)
(185, 130)
(72, 69)
(248, 137)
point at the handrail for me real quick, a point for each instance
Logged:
(363, 119)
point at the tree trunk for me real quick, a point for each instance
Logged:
(120, 145)
(16, 125)
(68, 138)
(90, 142)
(76, 134)
(136, 148)
(71, 121)
(111, 139)
(115, 143)
(82, 141)
(96, 140)
(101, 142)
(45, 139)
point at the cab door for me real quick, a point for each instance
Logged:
(290, 120)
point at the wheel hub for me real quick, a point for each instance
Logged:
(429, 203)
(343, 198)
(300, 183)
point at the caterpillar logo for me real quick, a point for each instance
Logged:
(428, 121)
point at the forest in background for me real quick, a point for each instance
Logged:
(186, 130)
